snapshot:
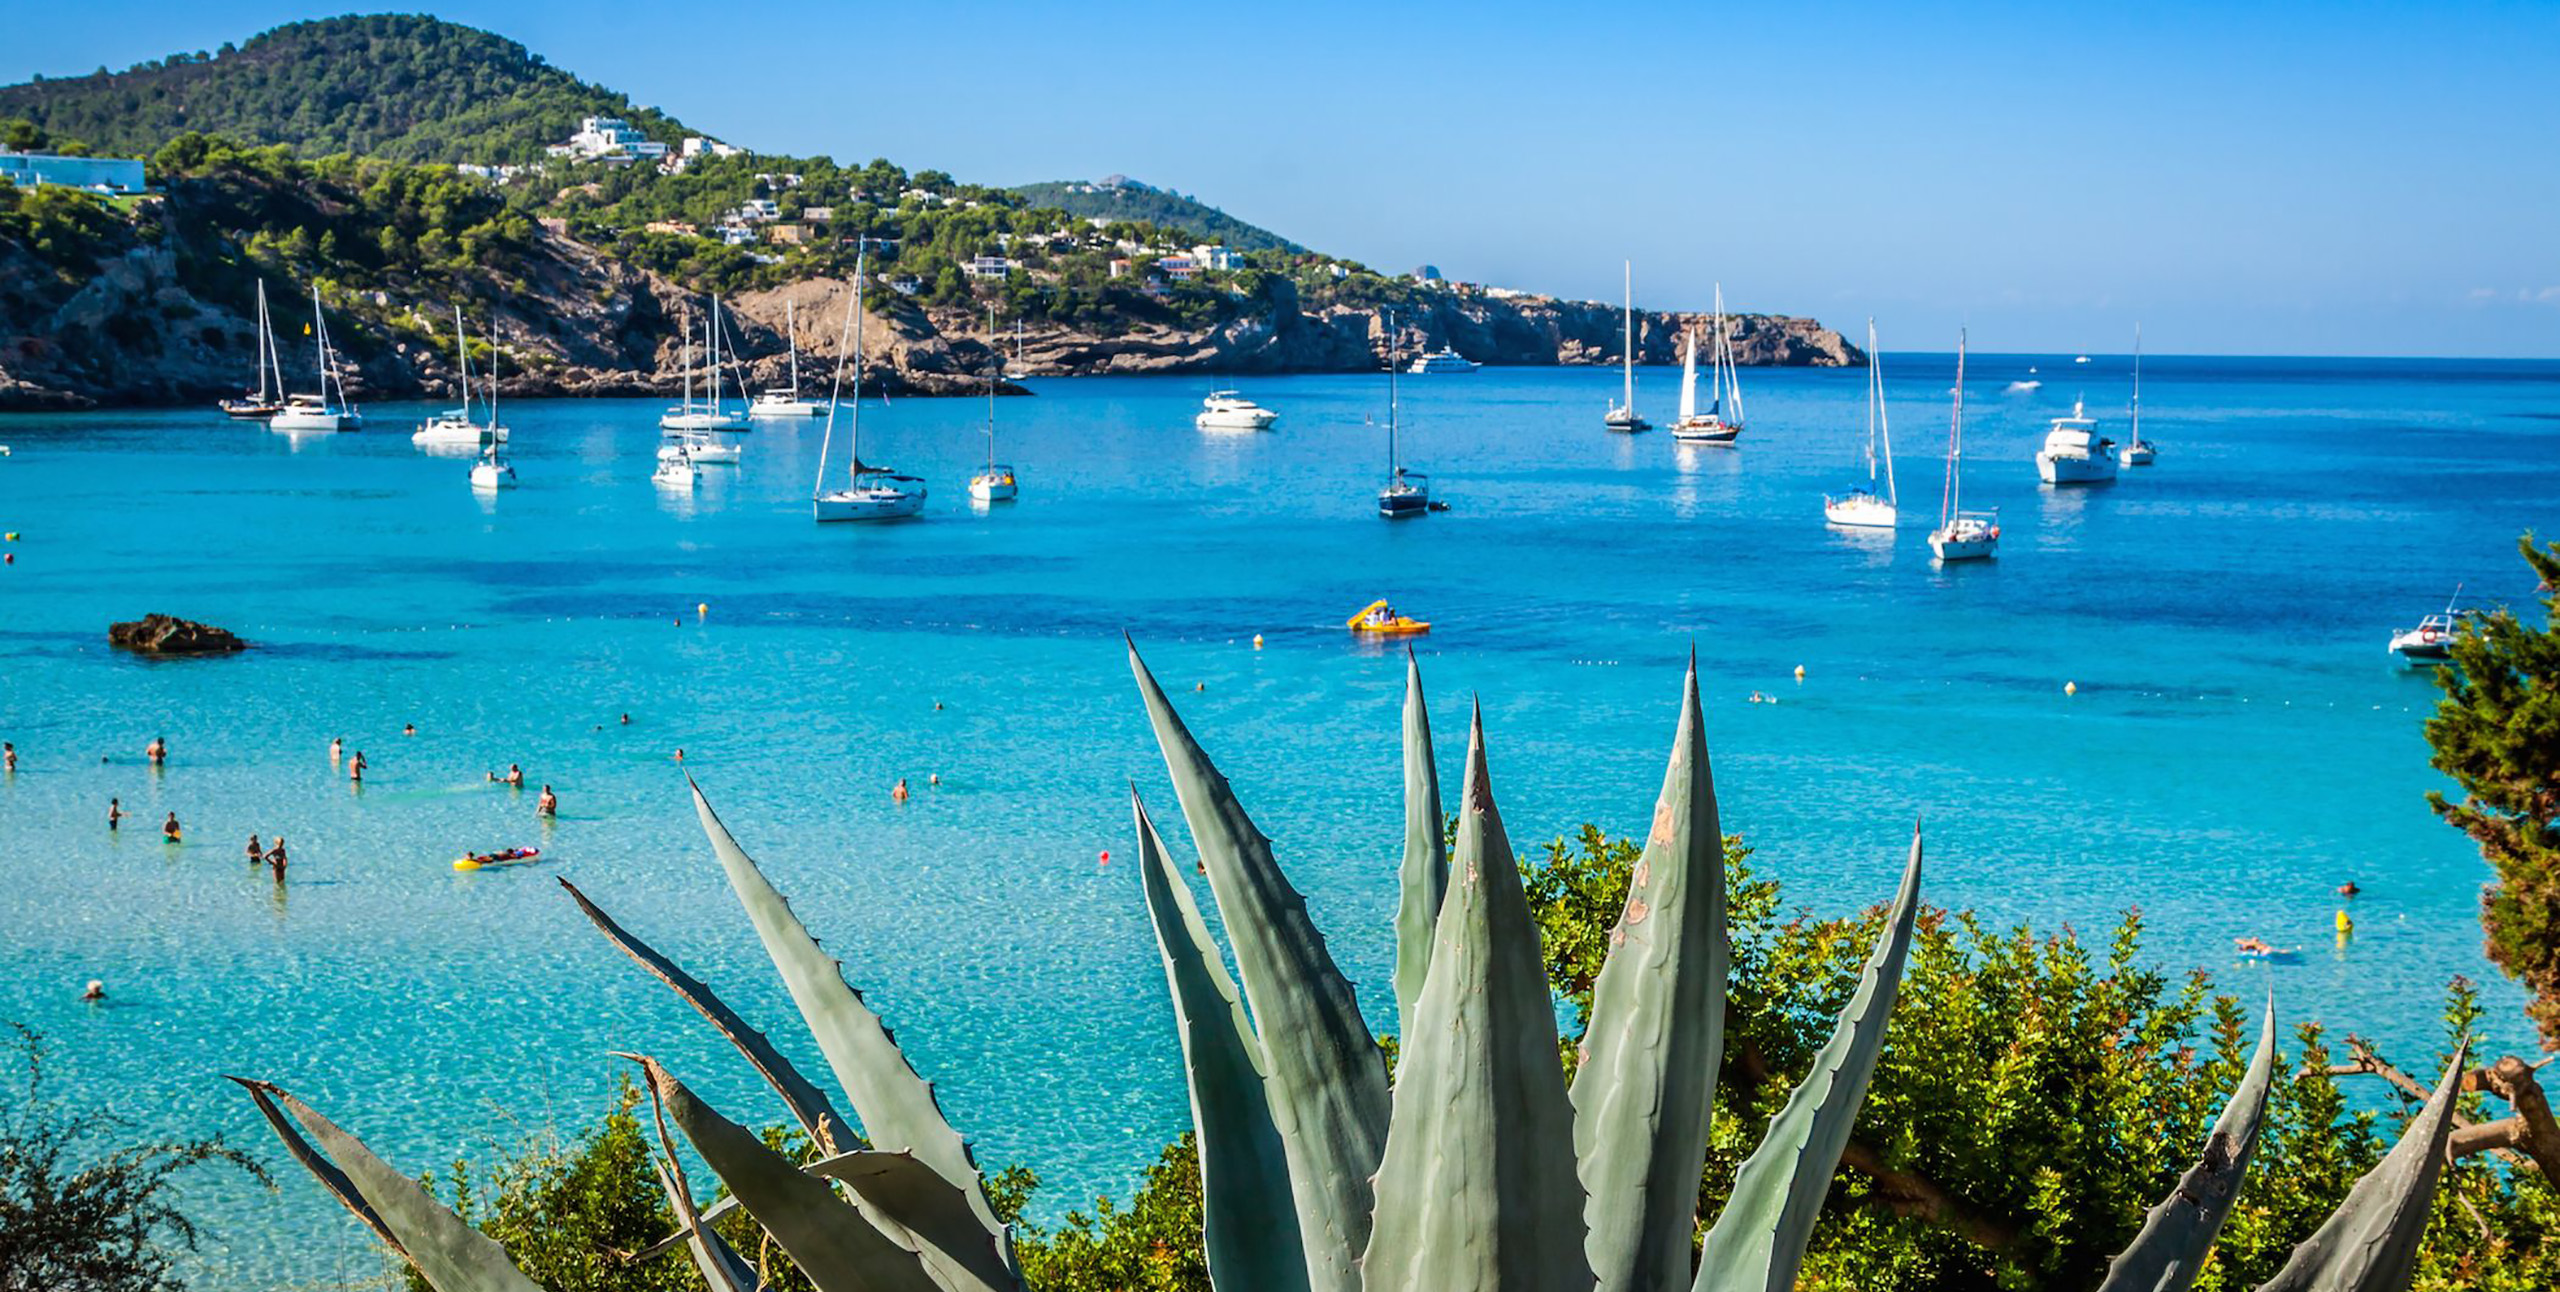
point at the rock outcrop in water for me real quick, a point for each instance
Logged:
(170, 635)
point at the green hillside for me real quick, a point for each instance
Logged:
(397, 86)
(1121, 198)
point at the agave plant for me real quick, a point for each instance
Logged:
(1479, 1168)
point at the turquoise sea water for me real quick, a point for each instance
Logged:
(2239, 743)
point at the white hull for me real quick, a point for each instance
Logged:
(1259, 419)
(675, 475)
(1864, 511)
(712, 453)
(493, 475)
(784, 408)
(994, 486)
(292, 420)
(1949, 548)
(868, 503)
(443, 434)
(1625, 420)
(698, 420)
(2137, 455)
(2071, 469)
(1443, 360)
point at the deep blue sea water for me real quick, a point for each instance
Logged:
(2239, 743)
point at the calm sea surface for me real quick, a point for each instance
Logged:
(2238, 746)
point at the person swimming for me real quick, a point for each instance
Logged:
(408, 728)
(548, 804)
(97, 991)
(2348, 889)
(2253, 945)
(169, 829)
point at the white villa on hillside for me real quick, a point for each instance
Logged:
(994, 267)
(607, 139)
(107, 175)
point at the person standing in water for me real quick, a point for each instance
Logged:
(157, 751)
(169, 828)
(337, 746)
(9, 755)
(115, 813)
(900, 793)
(275, 859)
(256, 853)
(548, 804)
(355, 768)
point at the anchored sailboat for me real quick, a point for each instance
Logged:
(492, 471)
(1721, 423)
(453, 428)
(707, 415)
(1408, 493)
(1863, 507)
(319, 412)
(870, 493)
(1622, 416)
(2137, 452)
(267, 400)
(786, 403)
(996, 483)
(1961, 535)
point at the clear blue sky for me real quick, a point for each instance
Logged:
(2344, 178)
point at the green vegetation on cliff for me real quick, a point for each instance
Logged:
(400, 86)
(1120, 199)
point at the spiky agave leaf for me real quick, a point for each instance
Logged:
(1646, 1079)
(2370, 1243)
(1327, 1079)
(828, 1238)
(2171, 1246)
(1250, 1223)
(446, 1251)
(1477, 1187)
(897, 1107)
(807, 1103)
(1757, 1244)
(1424, 876)
(720, 1266)
(913, 1204)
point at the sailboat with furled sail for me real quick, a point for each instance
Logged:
(1864, 507)
(707, 415)
(2137, 452)
(1961, 535)
(870, 493)
(996, 483)
(786, 402)
(1408, 493)
(268, 399)
(1622, 416)
(323, 411)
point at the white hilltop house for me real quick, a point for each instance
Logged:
(696, 147)
(608, 139)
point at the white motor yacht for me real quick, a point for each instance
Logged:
(1961, 535)
(2074, 452)
(2431, 642)
(1226, 410)
(1444, 359)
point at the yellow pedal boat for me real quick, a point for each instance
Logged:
(1381, 619)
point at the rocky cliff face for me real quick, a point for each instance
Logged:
(575, 321)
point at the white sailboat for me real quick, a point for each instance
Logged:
(319, 412)
(492, 471)
(786, 403)
(870, 493)
(453, 428)
(1721, 423)
(707, 415)
(1408, 493)
(1622, 416)
(996, 483)
(1961, 535)
(2137, 452)
(1863, 507)
(268, 399)
(676, 472)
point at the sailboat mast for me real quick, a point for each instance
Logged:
(1875, 400)
(791, 335)
(493, 383)
(1627, 345)
(1884, 418)
(860, 316)
(995, 354)
(266, 341)
(1392, 364)
(712, 357)
(2137, 383)
(835, 394)
(462, 350)
(1955, 444)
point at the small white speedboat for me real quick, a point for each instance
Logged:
(492, 472)
(677, 472)
(783, 403)
(2074, 452)
(2431, 642)
(1226, 410)
(875, 495)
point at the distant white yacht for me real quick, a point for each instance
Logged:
(1622, 416)
(1863, 507)
(1722, 422)
(786, 402)
(1961, 535)
(676, 472)
(319, 412)
(2074, 452)
(2431, 642)
(1443, 359)
(2137, 452)
(1226, 410)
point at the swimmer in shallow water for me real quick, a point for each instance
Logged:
(548, 804)
(115, 813)
(97, 991)
(9, 755)
(900, 793)
(169, 828)
(256, 851)
(157, 751)
(2348, 889)
(337, 746)
(276, 859)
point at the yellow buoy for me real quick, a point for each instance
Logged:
(702, 607)
(2071, 688)
(2345, 925)
(1799, 672)
(1257, 641)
